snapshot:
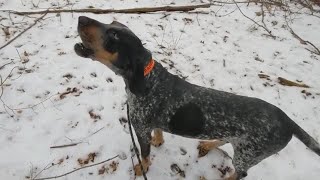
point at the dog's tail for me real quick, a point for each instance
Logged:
(309, 141)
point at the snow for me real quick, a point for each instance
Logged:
(196, 47)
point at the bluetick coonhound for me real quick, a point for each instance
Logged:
(162, 101)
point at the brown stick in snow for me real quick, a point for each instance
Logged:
(63, 146)
(287, 82)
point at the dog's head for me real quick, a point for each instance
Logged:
(116, 46)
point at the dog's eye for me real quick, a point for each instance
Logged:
(115, 35)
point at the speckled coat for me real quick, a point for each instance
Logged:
(255, 128)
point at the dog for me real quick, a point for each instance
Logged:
(160, 101)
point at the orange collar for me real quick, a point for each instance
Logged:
(149, 67)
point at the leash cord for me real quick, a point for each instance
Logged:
(134, 145)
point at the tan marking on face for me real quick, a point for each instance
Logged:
(105, 57)
(92, 38)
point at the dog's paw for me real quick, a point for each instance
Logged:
(205, 146)
(145, 165)
(156, 142)
(202, 150)
(157, 139)
(137, 170)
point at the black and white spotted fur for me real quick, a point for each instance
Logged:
(256, 129)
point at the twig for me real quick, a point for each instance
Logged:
(65, 174)
(65, 145)
(270, 2)
(95, 132)
(262, 15)
(35, 22)
(305, 42)
(49, 165)
(9, 75)
(268, 31)
(1, 87)
(134, 146)
(30, 107)
(227, 13)
(24, 65)
(5, 106)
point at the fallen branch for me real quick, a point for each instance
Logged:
(35, 22)
(65, 174)
(287, 82)
(124, 11)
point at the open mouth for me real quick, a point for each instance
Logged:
(83, 51)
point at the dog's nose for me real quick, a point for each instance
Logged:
(83, 21)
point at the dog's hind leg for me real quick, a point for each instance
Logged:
(250, 151)
(205, 146)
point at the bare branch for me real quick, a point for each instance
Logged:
(1, 67)
(268, 31)
(302, 41)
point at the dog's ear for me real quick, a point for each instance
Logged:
(137, 80)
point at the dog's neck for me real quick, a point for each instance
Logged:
(151, 79)
(149, 67)
(155, 76)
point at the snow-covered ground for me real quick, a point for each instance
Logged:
(53, 97)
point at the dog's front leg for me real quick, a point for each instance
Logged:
(144, 139)
(157, 138)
